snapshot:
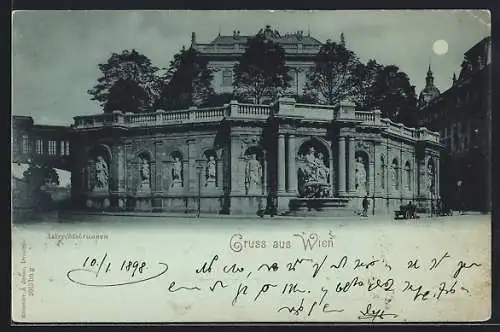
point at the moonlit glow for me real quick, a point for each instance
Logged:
(440, 47)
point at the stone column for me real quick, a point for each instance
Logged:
(292, 169)
(219, 171)
(437, 180)
(351, 167)
(237, 177)
(281, 164)
(371, 177)
(265, 177)
(330, 167)
(342, 171)
(191, 180)
(120, 174)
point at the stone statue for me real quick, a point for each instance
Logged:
(394, 176)
(360, 176)
(311, 167)
(321, 169)
(101, 173)
(211, 171)
(145, 170)
(177, 172)
(211, 168)
(382, 175)
(253, 175)
(408, 177)
(430, 177)
(145, 175)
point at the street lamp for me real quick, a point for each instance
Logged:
(199, 169)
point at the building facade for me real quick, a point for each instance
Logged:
(462, 115)
(46, 144)
(238, 158)
(224, 52)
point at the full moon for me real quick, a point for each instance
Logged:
(440, 47)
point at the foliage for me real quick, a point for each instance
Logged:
(187, 81)
(39, 174)
(261, 74)
(129, 83)
(395, 96)
(366, 77)
(332, 79)
(219, 99)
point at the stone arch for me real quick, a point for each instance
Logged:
(144, 154)
(100, 149)
(314, 168)
(318, 142)
(176, 153)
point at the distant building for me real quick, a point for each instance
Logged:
(224, 52)
(462, 114)
(430, 92)
(42, 143)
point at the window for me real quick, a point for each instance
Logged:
(62, 148)
(67, 148)
(26, 144)
(227, 77)
(39, 146)
(52, 148)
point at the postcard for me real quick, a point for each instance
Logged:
(251, 166)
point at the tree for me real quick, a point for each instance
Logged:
(261, 74)
(395, 96)
(366, 77)
(39, 174)
(219, 99)
(129, 83)
(187, 81)
(332, 79)
(37, 177)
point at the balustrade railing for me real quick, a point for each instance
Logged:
(285, 107)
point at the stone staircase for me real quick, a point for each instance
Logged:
(329, 206)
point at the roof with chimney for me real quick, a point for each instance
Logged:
(293, 43)
(288, 38)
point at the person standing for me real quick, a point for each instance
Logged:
(365, 206)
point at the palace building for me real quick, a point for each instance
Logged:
(224, 52)
(240, 158)
(462, 115)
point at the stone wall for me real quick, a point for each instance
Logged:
(253, 156)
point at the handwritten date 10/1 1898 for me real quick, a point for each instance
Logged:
(130, 271)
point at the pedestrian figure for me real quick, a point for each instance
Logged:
(411, 210)
(365, 206)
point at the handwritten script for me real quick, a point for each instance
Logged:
(320, 283)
